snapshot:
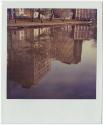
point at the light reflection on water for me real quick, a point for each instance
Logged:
(52, 63)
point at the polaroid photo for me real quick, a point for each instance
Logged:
(52, 62)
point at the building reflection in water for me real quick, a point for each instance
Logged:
(30, 50)
(64, 47)
(28, 61)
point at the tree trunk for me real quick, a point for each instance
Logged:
(52, 14)
(32, 15)
(39, 14)
(14, 15)
(74, 13)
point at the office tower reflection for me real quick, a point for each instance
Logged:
(77, 51)
(28, 60)
(82, 32)
(64, 47)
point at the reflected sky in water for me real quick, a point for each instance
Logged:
(52, 63)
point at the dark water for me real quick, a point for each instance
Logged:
(52, 63)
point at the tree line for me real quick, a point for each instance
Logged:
(49, 13)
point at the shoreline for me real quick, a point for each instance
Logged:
(36, 24)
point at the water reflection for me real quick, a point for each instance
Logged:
(28, 61)
(34, 57)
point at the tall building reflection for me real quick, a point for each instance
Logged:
(30, 50)
(82, 32)
(64, 47)
(28, 61)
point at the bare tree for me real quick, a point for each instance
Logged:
(14, 15)
(32, 14)
(74, 13)
(52, 14)
(38, 14)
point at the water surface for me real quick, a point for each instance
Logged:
(52, 63)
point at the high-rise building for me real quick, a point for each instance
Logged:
(85, 14)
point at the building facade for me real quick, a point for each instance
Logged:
(85, 14)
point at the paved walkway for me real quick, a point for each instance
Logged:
(35, 24)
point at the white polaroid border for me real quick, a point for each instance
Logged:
(52, 110)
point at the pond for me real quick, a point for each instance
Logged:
(52, 62)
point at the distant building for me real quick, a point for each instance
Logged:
(63, 13)
(30, 14)
(23, 13)
(85, 14)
